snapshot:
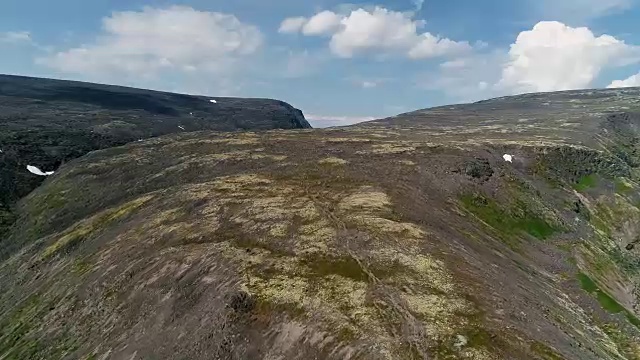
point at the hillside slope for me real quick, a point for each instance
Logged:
(404, 238)
(48, 122)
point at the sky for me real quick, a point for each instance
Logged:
(339, 62)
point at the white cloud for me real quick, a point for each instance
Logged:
(322, 23)
(177, 39)
(292, 25)
(16, 37)
(553, 56)
(369, 84)
(631, 81)
(433, 46)
(376, 30)
(455, 64)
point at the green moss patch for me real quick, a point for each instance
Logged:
(586, 182)
(606, 301)
(587, 284)
(509, 222)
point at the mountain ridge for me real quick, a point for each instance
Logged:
(47, 122)
(401, 238)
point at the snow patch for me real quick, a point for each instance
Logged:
(35, 170)
(507, 157)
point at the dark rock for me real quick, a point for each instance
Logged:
(478, 169)
(580, 209)
(241, 302)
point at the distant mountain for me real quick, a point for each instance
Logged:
(47, 122)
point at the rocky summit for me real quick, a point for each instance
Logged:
(48, 122)
(504, 229)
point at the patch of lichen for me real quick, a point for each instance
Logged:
(323, 265)
(341, 281)
(623, 186)
(332, 161)
(81, 267)
(544, 352)
(627, 345)
(480, 343)
(86, 228)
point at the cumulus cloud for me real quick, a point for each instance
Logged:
(176, 38)
(292, 25)
(323, 23)
(553, 56)
(376, 30)
(549, 57)
(631, 81)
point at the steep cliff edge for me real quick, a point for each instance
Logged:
(48, 122)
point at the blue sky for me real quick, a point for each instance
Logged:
(338, 62)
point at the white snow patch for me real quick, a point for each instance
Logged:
(35, 170)
(213, 101)
(507, 157)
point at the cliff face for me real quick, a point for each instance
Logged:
(48, 122)
(405, 238)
